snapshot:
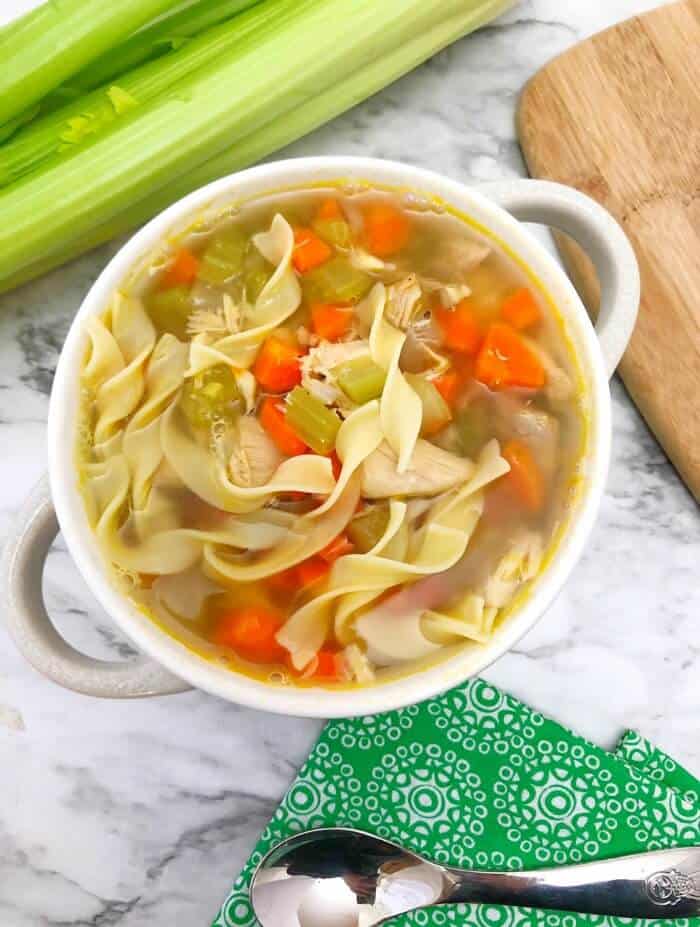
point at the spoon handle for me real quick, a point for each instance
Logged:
(659, 884)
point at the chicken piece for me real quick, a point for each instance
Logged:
(458, 257)
(532, 425)
(419, 350)
(403, 302)
(430, 472)
(317, 370)
(255, 456)
(449, 293)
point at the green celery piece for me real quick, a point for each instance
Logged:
(316, 425)
(360, 379)
(72, 124)
(223, 257)
(366, 528)
(45, 49)
(167, 34)
(256, 274)
(134, 207)
(334, 231)
(211, 396)
(473, 429)
(436, 412)
(8, 129)
(170, 309)
(335, 281)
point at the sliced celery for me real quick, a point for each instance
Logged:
(60, 226)
(45, 49)
(211, 396)
(316, 425)
(473, 428)
(367, 527)
(256, 274)
(360, 379)
(170, 309)
(335, 231)
(223, 257)
(436, 412)
(336, 281)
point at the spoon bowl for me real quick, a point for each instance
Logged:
(340, 877)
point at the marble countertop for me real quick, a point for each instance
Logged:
(141, 813)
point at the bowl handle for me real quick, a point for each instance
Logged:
(601, 238)
(29, 625)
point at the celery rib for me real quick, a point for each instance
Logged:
(396, 59)
(44, 49)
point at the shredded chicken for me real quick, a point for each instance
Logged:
(226, 320)
(521, 563)
(363, 260)
(403, 302)
(255, 456)
(457, 257)
(317, 370)
(450, 293)
(431, 471)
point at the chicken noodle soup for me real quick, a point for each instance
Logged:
(329, 436)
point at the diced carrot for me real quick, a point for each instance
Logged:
(337, 465)
(520, 309)
(250, 631)
(274, 421)
(284, 581)
(525, 477)
(277, 367)
(338, 547)
(330, 320)
(506, 361)
(311, 570)
(448, 386)
(386, 229)
(310, 251)
(459, 326)
(182, 271)
(329, 209)
(326, 665)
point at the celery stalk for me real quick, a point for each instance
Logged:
(360, 379)
(80, 119)
(42, 50)
(167, 34)
(129, 209)
(316, 425)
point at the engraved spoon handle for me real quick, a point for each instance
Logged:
(659, 884)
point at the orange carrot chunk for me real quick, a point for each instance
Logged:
(338, 547)
(310, 251)
(330, 320)
(387, 229)
(274, 421)
(459, 327)
(277, 367)
(330, 209)
(311, 570)
(521, 310)
(525, 477)
(448, 386)
(250, 631)
(182, 271)
(506, 361)
(326, 665)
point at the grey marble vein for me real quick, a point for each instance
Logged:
(141, 813)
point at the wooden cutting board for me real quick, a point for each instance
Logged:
(618, 116)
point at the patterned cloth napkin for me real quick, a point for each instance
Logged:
(477, 779)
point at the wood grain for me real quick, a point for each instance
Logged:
(618, 116)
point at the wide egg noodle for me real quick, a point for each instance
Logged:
(142, 436)
(204, 473)
(119, 391)
(401, 409)
(307, 539)
(467, 618)
(305, 631)
(279, 298)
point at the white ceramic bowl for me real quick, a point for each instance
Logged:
(168, 666)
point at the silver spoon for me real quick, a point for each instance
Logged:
(339, 877)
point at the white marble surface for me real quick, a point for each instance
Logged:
(141, 813)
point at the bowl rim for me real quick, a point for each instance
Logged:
(413, 687)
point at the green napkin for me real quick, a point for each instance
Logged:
(477, 779)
